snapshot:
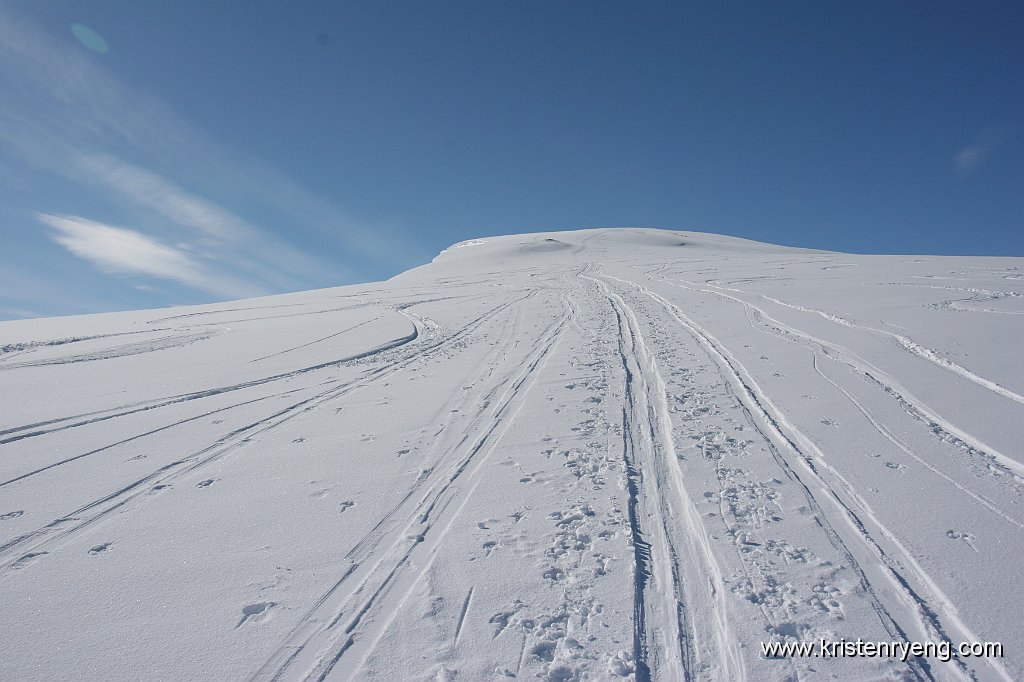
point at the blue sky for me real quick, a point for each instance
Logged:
(158, 153)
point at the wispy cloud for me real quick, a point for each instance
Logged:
(63, 114)
(208, 227)
(971, 157)
(120, 251)
(159, 194)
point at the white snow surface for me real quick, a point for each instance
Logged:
(601, 454)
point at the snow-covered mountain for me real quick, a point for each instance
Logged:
(573, 455)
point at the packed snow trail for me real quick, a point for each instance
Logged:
(602, 454)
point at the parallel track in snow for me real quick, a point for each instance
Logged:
(921, 608)
(40, 541)
(339, 625)
(913, 405)
(821, 349)
(681, 618)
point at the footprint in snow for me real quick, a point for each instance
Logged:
(545, 651)
(11, 515)
(99, 549)
(554, 574)
(960, 535)
(26, 560)
(621, 664)
(253, 610)
(203, 484)
(322, 492)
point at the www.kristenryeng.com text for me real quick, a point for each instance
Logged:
(854, 648)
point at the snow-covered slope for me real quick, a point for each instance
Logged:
(574, 455)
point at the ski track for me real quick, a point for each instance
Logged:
(141, 489)
(841, 355)
(26, 346)
(910, 346)
(778, 444)
(137, 348)
(794, 335)
(679, 588)
(21, 432)
(329, 630)
(914, 406)
(934, 612)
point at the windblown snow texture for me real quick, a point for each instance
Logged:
(586, 455)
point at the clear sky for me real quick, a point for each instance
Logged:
(172, 152)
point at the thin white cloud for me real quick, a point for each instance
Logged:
(163, 196)
(120, 251)
(971, 157)
(63, 113)
(208, 227)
